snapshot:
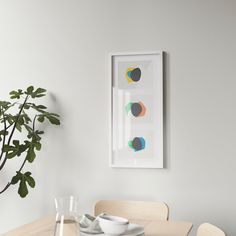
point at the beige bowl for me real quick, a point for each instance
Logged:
(113, 225)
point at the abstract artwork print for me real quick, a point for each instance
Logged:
(137, 110)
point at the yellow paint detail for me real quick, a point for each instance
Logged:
(126, 74)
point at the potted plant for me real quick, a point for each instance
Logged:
(21, 115)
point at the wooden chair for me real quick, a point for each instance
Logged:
(207, 229)
(133, 210)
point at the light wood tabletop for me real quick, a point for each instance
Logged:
(45, 226)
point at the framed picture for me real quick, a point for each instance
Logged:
(136, 110)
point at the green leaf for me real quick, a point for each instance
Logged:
(39, 92)
(26, 118)
(26, 106)
(30, 154)
(16, 142)
(14, 150)
(18, 127)
(38, 108)
(3, 132)
(39, 132)
(23, 190)
(16, 94)
(37, 146)
(24, 178)
(9, 118)
(54, 114)
(41, 118)
(22, 148)
(41, 107)
(29, 90)
(29, 179)
(8, 148)
(30, 131)
(21, 120)
(53, 120)
(15, 179)
(11, 155)
(52, 117)
(5, 105)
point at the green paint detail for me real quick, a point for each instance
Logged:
(128, 107)
(130, 143)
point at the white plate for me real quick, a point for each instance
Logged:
(133, 230)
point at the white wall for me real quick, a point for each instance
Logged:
(63, 46)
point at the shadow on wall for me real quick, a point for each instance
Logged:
(166, 110)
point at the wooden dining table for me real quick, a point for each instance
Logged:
(45, 227)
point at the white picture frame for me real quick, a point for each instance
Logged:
(136, 109)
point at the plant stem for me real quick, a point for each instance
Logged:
(22, 165)
(4, 136)
(9, 126)
(6, 187)
(9, 183)
(34, 122)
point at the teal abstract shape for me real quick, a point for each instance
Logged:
(137, 144)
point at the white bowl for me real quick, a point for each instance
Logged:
(113, 225)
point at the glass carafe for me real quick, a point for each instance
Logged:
(66, 217)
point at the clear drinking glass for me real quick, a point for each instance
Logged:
(66, 217)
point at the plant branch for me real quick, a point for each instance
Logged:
(22, 165)
(9, 126)
(6, 187)
(9, 183)
(4, 136)
(34, 122)
(12, 132)
(9, 140)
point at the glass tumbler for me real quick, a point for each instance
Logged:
(66, 217)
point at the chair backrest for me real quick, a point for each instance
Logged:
(207, 229)
(133, 210)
